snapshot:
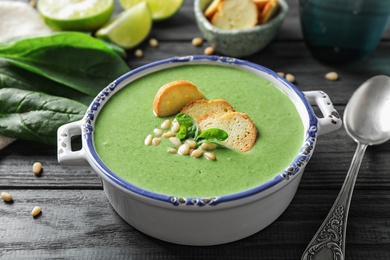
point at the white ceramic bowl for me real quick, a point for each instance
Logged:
(200, 221)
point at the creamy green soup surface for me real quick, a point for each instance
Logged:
(127, 118)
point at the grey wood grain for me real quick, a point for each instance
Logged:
(80, 224)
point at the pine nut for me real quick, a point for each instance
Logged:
(37, 168)
(33, 3)
(156, 141)
(148, 140)
(168, 134)
(197, 153)
(209, 51)
(210, 156)
(184, 149)
(208, 146)
(166, 124)
(197, 41)
(282, 74)
(158, 132)
(332, 76)
(138, 53)
(36, 210)
(175, 127)
(175, 141)
(153, 42)
(290, 77)
(191, 143)
(7, 197)
(172, 150)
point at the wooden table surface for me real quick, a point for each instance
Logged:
(77, 221)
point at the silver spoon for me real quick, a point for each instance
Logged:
(366, 120)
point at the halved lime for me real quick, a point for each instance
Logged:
(78, 15)
(161, 9)
(129, 28)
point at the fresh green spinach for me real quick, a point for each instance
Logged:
(35, 116)
(42, 78)
(74, 59)
(14, 77)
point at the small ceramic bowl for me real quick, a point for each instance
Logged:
(198, 220)
(239, 42)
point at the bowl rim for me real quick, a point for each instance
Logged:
(296, 166)
(274, 21)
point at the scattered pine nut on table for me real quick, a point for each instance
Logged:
(332, 76)
(37, 168)
(6, 196)
(197, 42)
(209, 51)
(153, 42)
(36, 211)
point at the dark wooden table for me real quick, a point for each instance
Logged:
(77, 221)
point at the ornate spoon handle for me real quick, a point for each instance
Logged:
(329, 241)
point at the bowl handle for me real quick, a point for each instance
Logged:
(65, 155)
(331, 120)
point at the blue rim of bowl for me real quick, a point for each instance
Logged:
(302, 158)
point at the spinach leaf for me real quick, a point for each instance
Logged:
(188, 126)
(117, 49)
(213, 135)
(35, 116)
(12, 76)
(74, 59)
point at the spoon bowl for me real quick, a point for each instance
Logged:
(365, 116)
(366, 121)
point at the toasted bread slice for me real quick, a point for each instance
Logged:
(212, 8)
(268, 11)
(172, 97)
(197, 109)
(233, 14)
(260, 3)
(241, 130)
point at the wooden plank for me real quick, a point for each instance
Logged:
(81, 224)
(17, 159)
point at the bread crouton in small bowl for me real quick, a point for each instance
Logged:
(199, 150)
(239, 28)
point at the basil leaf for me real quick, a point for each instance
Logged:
(35, 116)
(188, 126)
(182, 134)
(213, 135)
(74, 59)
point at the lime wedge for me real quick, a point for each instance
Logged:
(78, 15)
(129, 28)
(161, 9)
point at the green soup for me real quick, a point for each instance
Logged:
(127, 118)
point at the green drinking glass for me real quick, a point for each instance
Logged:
(343, 31)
